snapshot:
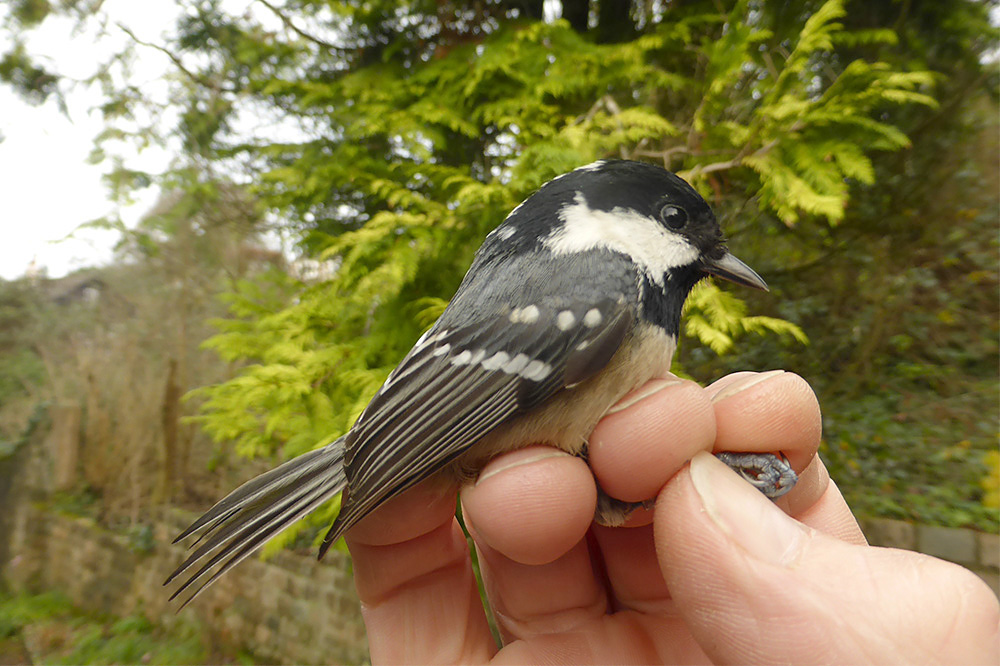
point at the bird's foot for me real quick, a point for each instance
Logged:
(770, 474)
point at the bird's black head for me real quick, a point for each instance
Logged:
(640, 210)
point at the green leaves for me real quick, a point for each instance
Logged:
(807, 129)
(408, 160)
(717, 319)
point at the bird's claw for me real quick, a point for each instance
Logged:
(768, 473)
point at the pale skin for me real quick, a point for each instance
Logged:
(715, 573)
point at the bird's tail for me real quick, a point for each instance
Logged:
(256, 511)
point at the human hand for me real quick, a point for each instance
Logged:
(715, 572)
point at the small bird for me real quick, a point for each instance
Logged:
(571, 303)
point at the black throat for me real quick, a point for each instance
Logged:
(662, 305)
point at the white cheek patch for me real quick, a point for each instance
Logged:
(655, 249)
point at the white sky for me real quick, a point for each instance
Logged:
(47, 188)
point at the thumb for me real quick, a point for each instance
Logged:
(756, 586)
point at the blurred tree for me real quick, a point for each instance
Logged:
(201, 238)
(21, 369)
(124, 342)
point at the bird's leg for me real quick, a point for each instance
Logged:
(769, 473)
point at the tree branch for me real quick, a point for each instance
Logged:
(197, 78)
(666, 155)
(297, 30)
(701, 169)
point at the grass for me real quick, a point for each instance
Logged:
(49, 630)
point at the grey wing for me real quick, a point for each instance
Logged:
(457, 385)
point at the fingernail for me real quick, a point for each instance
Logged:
(642, 393)
(744, 384)
(518, 461)
(748, 518)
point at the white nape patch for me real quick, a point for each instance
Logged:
(442, 350)
(593, 166)
(525, 315)
(592, 318)
(503, 233)
(511, 213)
(655, 249)
(565, 320)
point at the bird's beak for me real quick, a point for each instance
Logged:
(730, 268)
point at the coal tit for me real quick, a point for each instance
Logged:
(572, 302)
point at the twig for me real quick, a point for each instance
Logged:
(297, 30)
(666, 155)
(197, 78)
(769, 62)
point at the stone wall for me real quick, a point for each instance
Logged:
(290, 608)
(976, 551)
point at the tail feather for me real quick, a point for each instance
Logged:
(257, 511)
(237, 550)
(262, 485)
(246, 524)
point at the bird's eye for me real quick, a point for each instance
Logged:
(673, 217)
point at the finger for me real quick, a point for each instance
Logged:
(623, 638)
(642, 442)
(534, 600)
(684, 421)
(767, 412)
(757, 586)
(528, 514)
(419, 510)
(816, 501)
(648, 436)
(418, 593)
(778, 411)
(633, 569)
(533, 504)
